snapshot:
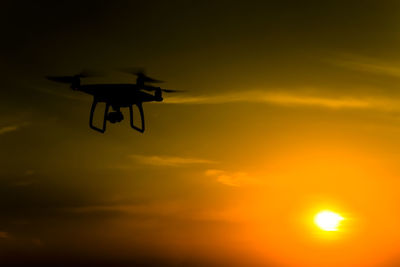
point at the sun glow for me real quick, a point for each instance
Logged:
(328, 220)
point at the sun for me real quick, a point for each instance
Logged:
(328, 220)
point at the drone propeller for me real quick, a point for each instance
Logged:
(141, 75)
(62, 79)
(163, 90)
(71, 79)
(147, 79)
(172, 91)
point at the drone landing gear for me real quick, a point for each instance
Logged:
(116, 116)
(93, 108)
(140, 107)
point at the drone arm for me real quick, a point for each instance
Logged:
(140, 107)
(92, 110)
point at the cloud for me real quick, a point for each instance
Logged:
(368, 65)
(234, 179)
(168, 160)
(178, 210)
(286, 99)
(149, 208)
(7, 129)
(12, 128)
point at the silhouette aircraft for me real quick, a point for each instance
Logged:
(117, 96)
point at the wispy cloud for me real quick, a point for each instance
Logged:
(370, 65)
(285, 99)
(234, 179)
(176, 209)
(179, 210)
(7, 129)
(149, 208)
(12, 127)
(169, 160)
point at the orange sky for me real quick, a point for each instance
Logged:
(291, 108)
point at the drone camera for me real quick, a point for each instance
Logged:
(114, 117)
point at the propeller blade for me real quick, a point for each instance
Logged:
(61, 79)
(144, 78)
(164, 90)
(133, 71)
(172, 91)
(151, 80)
(141, 74)
(71, 79)
(89, 73)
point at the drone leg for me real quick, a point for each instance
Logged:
(92, 110)
(140, 107)
(105, 117)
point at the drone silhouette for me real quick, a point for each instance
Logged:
(117, 96)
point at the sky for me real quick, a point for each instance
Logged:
(291, 108)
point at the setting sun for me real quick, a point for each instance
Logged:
(328, 220)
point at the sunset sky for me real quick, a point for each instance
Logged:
(291, 108)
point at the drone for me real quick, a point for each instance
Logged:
(117, 96)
